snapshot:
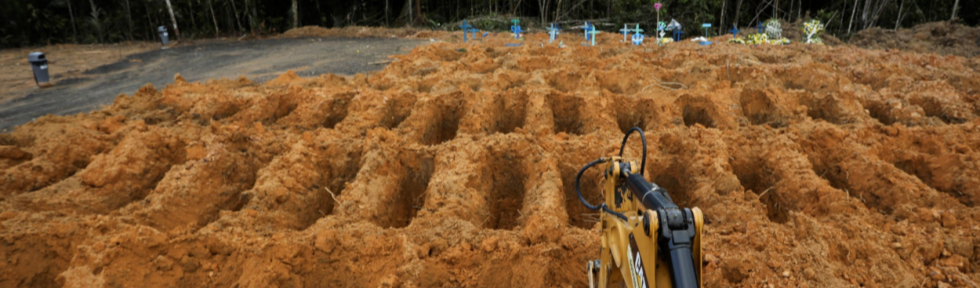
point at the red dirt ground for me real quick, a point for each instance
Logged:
(815, 166)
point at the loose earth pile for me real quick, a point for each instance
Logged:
(815, 166)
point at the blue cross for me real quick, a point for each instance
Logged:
(552, 33)
(626, 31)
(759, 26)
(593, 32)
(516, 28)
(677, 35)
(472, 30)
(465, 28)
(586, 29)
(637, 30)
(734, 31)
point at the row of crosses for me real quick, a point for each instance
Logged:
(590, 32)
(469, 28)
(637, 38)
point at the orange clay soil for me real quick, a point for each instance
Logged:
(815, 166)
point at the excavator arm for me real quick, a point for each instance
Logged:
(646, 239)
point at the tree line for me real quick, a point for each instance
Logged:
(41, 22)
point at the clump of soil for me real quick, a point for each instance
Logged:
(815, 166)
(944, 38)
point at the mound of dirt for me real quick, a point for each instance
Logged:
(944, 38)
(815, 166)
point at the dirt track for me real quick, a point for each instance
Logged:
(815, 167)
(259, 60)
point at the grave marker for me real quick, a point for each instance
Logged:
(592, 33)
(516, 28)
(637, 37)
(552, 33)
(465, 28)
(626, 32)
(705, 26)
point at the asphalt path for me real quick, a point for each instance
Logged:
(259, 60)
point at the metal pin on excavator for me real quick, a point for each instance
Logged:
(647, 241)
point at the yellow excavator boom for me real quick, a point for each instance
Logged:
(646, 239)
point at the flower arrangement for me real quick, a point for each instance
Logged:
(811, 32)
(774, 29)
(772, 35)
(758, 38)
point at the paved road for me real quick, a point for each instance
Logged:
(259, 60)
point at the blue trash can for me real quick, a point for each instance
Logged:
(164, 37)
(40, 66)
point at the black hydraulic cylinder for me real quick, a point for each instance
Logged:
(682, 267)
(676, 229)
(652, 196)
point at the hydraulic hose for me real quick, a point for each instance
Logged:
(578, 188)
(643, 161)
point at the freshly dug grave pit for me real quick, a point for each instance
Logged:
(815, 166)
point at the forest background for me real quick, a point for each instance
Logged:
(45, 22)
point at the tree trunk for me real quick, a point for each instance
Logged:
(216, 31)
(775, 10)
(74, 32)
(799, 10)
(852, 16)
(721, 24)
(319, 13)
(898, 20)
(237, 20)
(738, 11)
(129, 19)
(174, 19)
(149, 21)
(557, 11)
(864, 13)
(543, 9)
(248, 16)
(877, 14)
(609, 9)
(789, 13)
(190, 11)
(418, 11)
(96, 22)
(955, 5)
(295, 11)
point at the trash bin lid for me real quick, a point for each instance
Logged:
(36, 57)
(162, 29)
